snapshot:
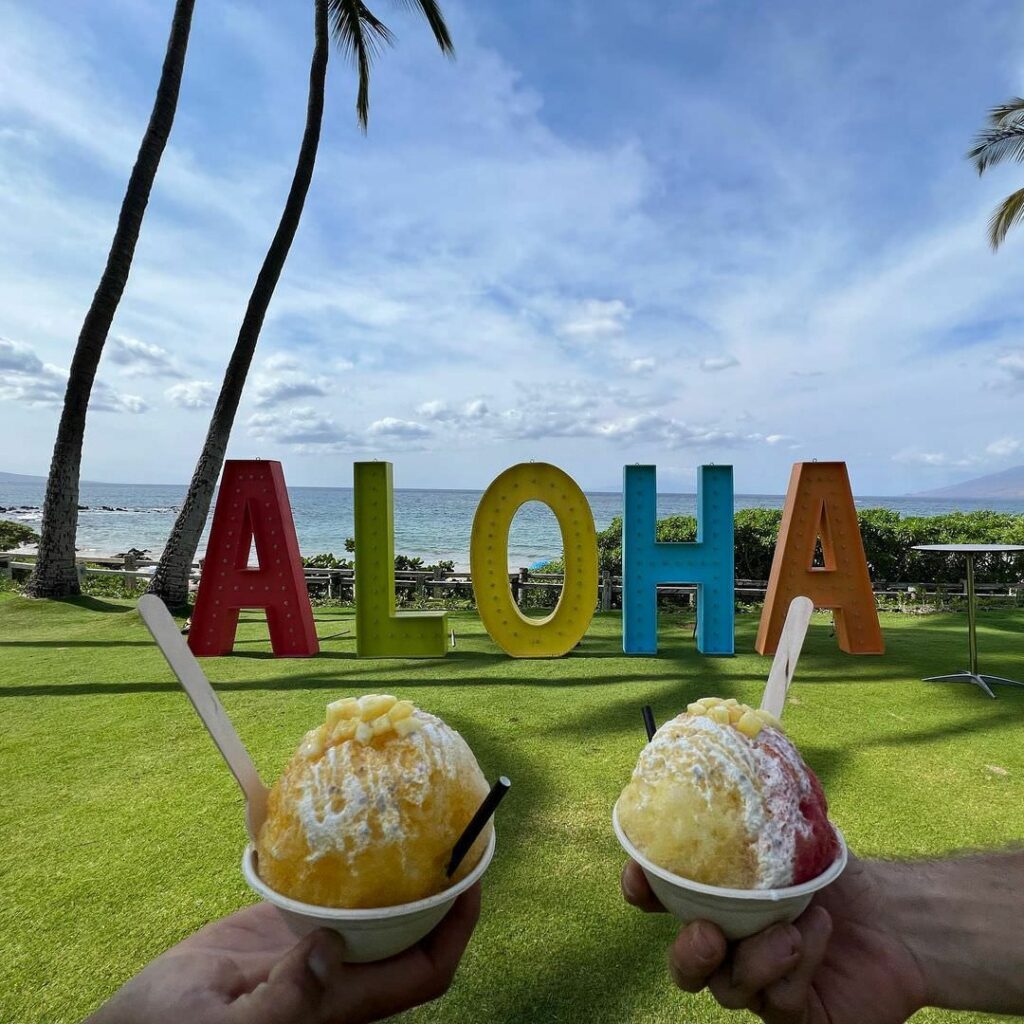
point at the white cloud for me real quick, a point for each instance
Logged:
(303, 427)
(642, 366)
(596, 318)
(17, 357)
(1005, 446)
(268, 391)
(933, 459)
(437, 409)
(654, 428)
(105, 399)
(712, 364)
(390, 426)
(282, 378)
(584, 410)
(537, 424)
(1012, 364)
(140, 358)
(279, 361)
(306, 431)
(24, 377)
(192, 394)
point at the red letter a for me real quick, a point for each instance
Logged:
(819, 506)
(253, 505)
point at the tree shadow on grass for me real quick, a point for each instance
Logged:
(92, 604)
(691, 676)
(300, 682)
(57, 644)
(84, 689)
(96, 604)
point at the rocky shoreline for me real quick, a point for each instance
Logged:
(93, 508)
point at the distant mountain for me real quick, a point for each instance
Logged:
(20, 478)
(25, 478)
(1009, 484)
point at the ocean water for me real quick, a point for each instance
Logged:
(431, 524)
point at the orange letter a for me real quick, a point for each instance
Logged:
(819, 505)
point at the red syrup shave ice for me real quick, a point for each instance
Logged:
(721, 796)
(816, 845)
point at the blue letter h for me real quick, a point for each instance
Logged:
(646, 562)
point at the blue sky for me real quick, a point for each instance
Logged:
(606, 233)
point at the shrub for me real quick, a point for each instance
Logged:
(756, 530)
(110, 586)
(326, 560)
(15, 535)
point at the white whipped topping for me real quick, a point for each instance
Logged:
(352, 796)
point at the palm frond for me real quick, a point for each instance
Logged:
(993, 145)
(432, 12)
(361, 36)
(1008, 213)
(1011, 110)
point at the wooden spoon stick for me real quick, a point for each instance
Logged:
(209, 708)
(798, 618)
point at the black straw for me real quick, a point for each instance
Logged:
(649, 722)
(477, 822)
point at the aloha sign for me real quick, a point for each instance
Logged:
(253, 507)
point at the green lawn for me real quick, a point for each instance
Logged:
(122, 830)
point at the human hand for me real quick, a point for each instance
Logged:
(840, 962)
(248, 968)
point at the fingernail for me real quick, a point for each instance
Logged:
(704, 944)
(324, 957)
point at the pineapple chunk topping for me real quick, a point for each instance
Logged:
(407, 726)
(361, 719)
(344, 730)
(341, 710)
(750, 724)
(749, 721)
(373, 705)
(403, 709)
(313, 743)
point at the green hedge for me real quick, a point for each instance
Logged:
(888, 541)
(16, 535)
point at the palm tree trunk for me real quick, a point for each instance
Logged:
(170, 581)
(55, 574)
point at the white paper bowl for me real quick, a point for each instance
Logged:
(738, 912)
(369, 934)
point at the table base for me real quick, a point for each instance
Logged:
(976, 678)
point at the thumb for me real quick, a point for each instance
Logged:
(294, 990)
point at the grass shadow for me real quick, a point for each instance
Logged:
(59, 644)
(96, 604)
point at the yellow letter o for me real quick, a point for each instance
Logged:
(559, 632)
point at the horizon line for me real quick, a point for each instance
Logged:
(32, 478)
